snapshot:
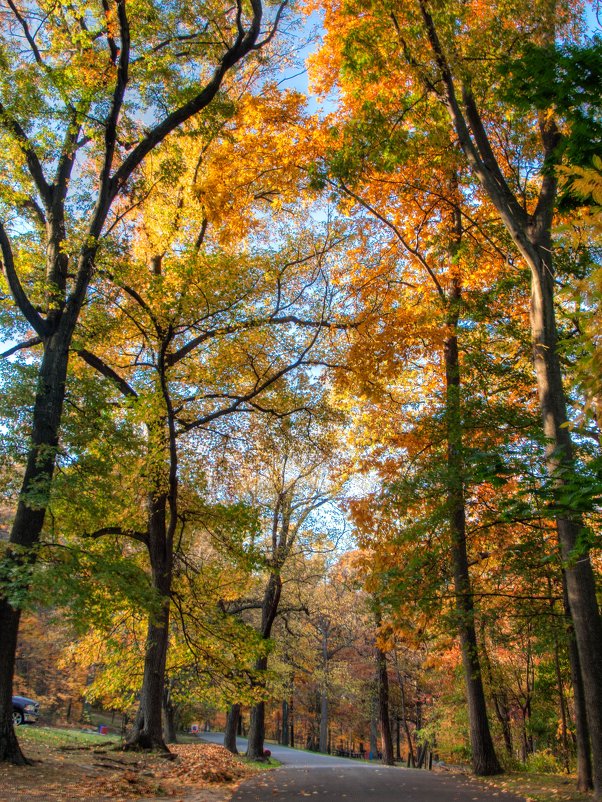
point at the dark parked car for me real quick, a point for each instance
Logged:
(25, 711)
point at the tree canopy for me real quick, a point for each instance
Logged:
(300, 389)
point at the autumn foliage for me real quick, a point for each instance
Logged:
(300, 412)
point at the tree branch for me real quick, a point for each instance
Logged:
(272, 33)
(413, 251)
(8, 266)
(27, 32)
(142, 537)
(27, 344)
(245, 42)
(478, 152)
(26, 147)
(116, 104)
(106, 370)
(259, 388)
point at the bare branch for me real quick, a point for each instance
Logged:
(26, 31)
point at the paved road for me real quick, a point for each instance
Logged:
(330, 779)
(287, 756)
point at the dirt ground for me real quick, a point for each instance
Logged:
(199, 773)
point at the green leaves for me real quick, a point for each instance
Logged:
(564, 81)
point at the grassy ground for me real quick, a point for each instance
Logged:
(58, 736)
(539, 787)
(261, 765)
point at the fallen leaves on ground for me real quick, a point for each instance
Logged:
(539, 787)
(199, 773)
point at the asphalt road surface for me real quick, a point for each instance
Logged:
(307, 774)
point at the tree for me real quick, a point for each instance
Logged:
(287, 480)
(440, 240)
(510, 159)
(531, 232)
(210, 354)
(82, 79)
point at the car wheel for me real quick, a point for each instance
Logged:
(17, 718)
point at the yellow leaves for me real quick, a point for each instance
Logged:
(229, 182)
(585, 183)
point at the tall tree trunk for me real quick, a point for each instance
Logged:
(271, 600)
(285, 724)
(169, 717)
(584, 758)
(29, 518)
(580, 581)
(9, 745)
(147, 732)
(256, 734)
(269, 609)
(383, 707)
(323, 739)
(232, 721)
(562, 702)
(411, 760)
(531, 234)
(484, 759)
(374, 730)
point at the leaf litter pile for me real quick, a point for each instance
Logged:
(198, 773)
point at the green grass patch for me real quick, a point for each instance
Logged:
(539, 787)
(58, 736)
(261, 765)
(187, 738)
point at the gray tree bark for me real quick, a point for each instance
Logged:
(584, 758)
(284, 740)
(147, 732)
(323, 738)
(271, 600)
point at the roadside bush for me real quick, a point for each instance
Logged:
(543, 762)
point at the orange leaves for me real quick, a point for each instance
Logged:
(121, 777)
(205, 763)
(258, 164)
